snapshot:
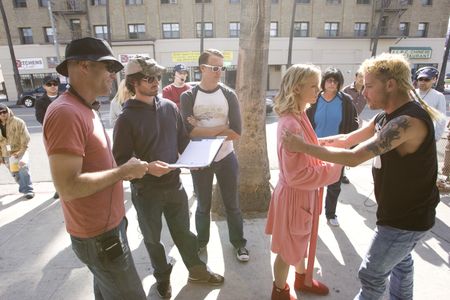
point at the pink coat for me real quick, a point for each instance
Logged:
(296, 204)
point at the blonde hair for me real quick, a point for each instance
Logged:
(296, 75)
(395, 66)
(123, 94)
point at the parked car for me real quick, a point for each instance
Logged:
(29, 98)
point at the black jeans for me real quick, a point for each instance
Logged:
(333, 191)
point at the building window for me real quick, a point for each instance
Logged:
(49, 37)
(26, 35)
(136, 31)
(426, 2)
(235, 1)
(303, 1)
(404, 29)
(361, 29)
(208, 27)
(362, 1)
(101, 31)
(134, 2)
(273, 29)
(171, 30)
(301, 29)
(274, 1)
(333, 2)
(384, 25)
(20, 3)
(234, 29)
(405, 2)
(98, 2)
(331, 29)
(422, 30)
(202, 1)
(75, 26)
(168, 1)
(43, 3)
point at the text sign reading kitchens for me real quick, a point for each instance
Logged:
(30, 63)
(412, 52)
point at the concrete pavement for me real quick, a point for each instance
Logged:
(36, 261)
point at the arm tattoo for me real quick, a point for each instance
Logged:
(388, 134)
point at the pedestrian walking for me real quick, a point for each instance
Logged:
(14, 140)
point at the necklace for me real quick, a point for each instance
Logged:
(423, 97)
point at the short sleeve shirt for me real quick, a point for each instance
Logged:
(70, 127)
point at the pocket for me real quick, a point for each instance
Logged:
(300, 222)
(81, 250)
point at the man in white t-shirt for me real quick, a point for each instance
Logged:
(211, 109)
(426, 78)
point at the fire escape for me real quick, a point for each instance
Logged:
(72, 13)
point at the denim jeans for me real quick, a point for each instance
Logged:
(331, 199)
(150, 204)
(226, 171)
(113, 279)
(22, 177)
(389, 255)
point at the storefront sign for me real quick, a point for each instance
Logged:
(30, 63)
(52, 62)
(412, 52)
(124, 58)
(192, 56)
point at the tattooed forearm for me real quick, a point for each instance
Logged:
(389, 133)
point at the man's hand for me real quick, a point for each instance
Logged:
(293, 142)
(158, 168)
(134, 168)
(192, 120)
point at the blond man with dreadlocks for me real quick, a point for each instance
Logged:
(401, 141)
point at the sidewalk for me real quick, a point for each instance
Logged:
(38, 263)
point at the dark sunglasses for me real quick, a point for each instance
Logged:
(215, 68)
(3, 112)
(51, 84)
(110, 66)
(150, 79)
(424, 79)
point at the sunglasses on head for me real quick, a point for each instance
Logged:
(216, 68)
(151, 79)
(424, 79)
(3, 112)
(51, 84)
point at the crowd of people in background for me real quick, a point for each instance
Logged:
(319, 132)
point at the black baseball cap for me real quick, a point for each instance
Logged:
(88, 48)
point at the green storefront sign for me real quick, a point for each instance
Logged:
(412, 52)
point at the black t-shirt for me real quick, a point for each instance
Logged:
(405, 186)
(3, 129)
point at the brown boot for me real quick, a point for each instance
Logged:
(279, 294)
(317, 287)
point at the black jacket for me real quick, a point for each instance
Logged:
(41, 106)
(349, 115)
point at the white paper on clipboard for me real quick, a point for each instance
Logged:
(199, 153)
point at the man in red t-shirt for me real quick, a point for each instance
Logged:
(85, 173)
(174, 90)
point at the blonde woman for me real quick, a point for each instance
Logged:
(401, 141)
(297, 199)
(117, 102)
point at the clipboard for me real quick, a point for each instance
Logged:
(199, 153)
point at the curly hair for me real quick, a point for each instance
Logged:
(395, 66)
(297, 74)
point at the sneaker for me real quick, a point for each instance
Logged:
(242, 254)
(29, 195)
(164, 289)
(333, 222)
(345, 180)
(56, 195)
(200, 274)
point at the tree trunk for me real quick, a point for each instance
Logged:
(251, 85)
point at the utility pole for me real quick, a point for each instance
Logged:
(11, 52)
(202, 34)
(291, 35)
(108, 23)
(378, 31)
(440, 84)
(55, 34)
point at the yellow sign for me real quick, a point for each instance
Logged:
(192, 56)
